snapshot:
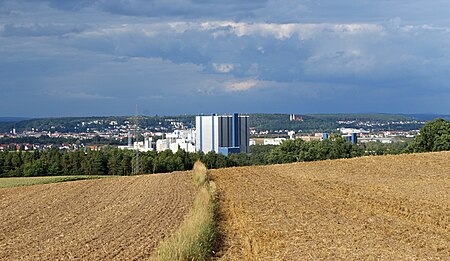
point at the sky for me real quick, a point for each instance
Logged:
(171, 57)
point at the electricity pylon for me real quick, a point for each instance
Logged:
(136, 163)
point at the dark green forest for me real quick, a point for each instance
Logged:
(75, 124)
(328, 122)
(97, 140)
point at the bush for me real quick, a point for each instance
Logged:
(299, 150)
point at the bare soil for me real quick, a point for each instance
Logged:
(113, 218)
(370, 208)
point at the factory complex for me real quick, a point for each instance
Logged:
(222, 134)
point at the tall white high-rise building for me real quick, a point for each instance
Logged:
(222, 133)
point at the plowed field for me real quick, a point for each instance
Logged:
(387, 208)
(116, 218)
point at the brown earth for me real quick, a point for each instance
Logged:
(116, 218)
(370, 208)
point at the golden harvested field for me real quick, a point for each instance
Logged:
(370, 208)
(112, 218)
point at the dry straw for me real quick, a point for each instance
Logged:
(194, 239)
(200, 174)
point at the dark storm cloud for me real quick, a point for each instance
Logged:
(181, 8)
(162, 8)
(191, 56)
(286, 11)
(351, 53)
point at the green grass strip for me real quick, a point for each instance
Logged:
(29, 181)
(194, 239)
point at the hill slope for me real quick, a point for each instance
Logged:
(390, 207)
(112, 218)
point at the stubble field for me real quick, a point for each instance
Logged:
(370, 208)
(117, 218)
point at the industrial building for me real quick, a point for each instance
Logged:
(350, 137)
(223, 134)
(142, 146)
(179, 139)
(353, 138)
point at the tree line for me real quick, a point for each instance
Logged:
(97, 140)
(434, 136)
(113, 161)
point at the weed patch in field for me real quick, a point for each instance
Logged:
(200, 174)
(194, 239)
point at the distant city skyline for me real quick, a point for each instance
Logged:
(97, 57)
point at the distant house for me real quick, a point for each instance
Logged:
(274, 141)
(93, 147)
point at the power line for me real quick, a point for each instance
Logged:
(136, 165)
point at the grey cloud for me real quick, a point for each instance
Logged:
(37, 29)
(285, 11)
(181, 8)
(274, 52)
(280, 52)
(72, 5)
(68, 95)
(257, 56)
(163, 8)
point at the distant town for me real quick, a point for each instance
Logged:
(179, 132)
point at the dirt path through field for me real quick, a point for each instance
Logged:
(388, 208)
(117, 218)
